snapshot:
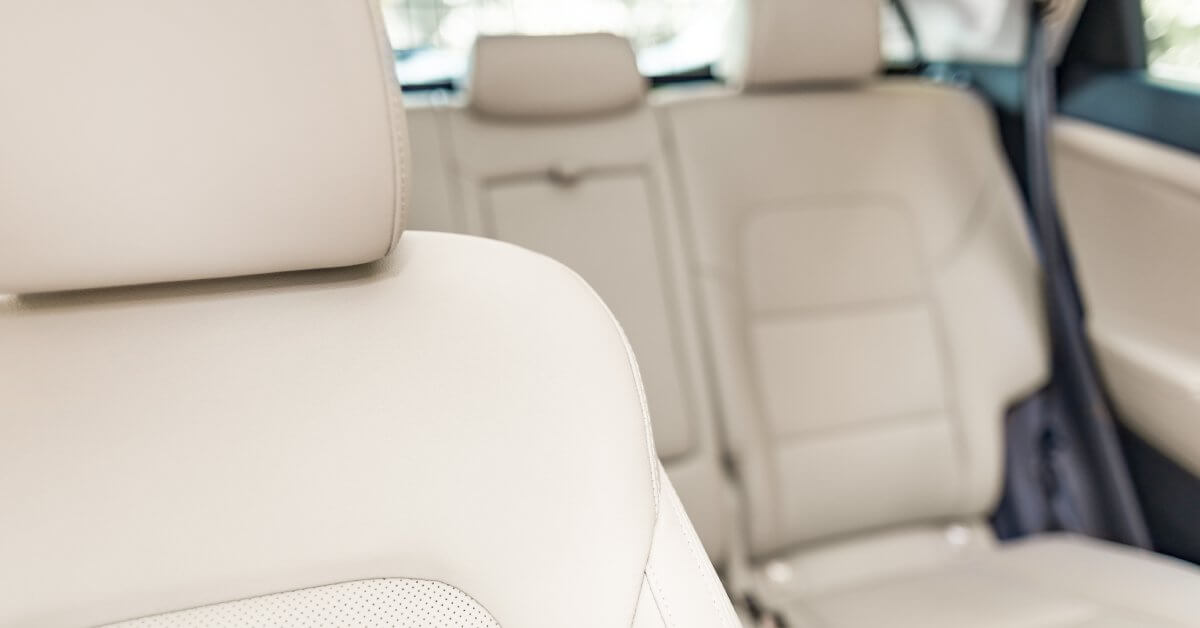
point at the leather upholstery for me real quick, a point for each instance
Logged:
(465, 412)
(681, 588)
(461, 411)
(873, 313)
(594, 194)
(556, 76)
(916, 578)
(176, 142)
(780, 43)
(379, 602)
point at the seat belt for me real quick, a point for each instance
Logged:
(910, 29)
(1086, 410)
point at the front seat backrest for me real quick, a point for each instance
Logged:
(433, 430)
(577, 172)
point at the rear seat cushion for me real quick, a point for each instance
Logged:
(1051, 580)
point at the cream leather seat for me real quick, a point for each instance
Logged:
(873, 305)
(435, 430)
(555, 149)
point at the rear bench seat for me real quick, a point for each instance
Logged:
(869, 297)
(557, 151)
(874, 306)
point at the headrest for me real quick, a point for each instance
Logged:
(146, 141)
(777, 43)
(554, 76)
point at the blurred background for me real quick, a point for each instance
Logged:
(432, 38)
(1173, 38)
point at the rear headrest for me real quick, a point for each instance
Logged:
(554, 76)
(147, 141)
(777, 43)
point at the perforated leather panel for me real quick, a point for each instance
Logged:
(390, 602)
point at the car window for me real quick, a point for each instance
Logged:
(1173, 39)
(432, 38)
(978, 31)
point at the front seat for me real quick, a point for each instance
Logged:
(232, 395)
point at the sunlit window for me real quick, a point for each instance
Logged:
(432, 38)
(1173, 38)
(980, 31)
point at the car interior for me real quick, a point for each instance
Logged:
(872, 319)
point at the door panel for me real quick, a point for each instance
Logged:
(1131, 209)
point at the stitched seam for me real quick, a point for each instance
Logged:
(699, 558)
(651, 456)
(396, 125)
(660, 598)
(647, 588)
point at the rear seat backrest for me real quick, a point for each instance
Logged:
(862, 261)
(557, 151)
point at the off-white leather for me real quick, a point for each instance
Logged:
(679, 576)
(1132, 213)
(780, 43)
(462, 411)
(921, 580)
(554, 76)
(467, 412)
(873, 306)
(593, 194)
(178, 147)
(872, 312)
(379, 602)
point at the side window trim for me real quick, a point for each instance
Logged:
(1105, 79)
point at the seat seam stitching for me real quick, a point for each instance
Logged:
(397, 124)
(660, 598)
(699, 560)
(652, 457)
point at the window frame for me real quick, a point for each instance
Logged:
(1105, 79)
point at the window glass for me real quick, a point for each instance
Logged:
(981, 31)
(1173, 38)
(432, 38)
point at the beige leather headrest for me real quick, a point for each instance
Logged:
(554, 76)
(159, 140)
(778, 43)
